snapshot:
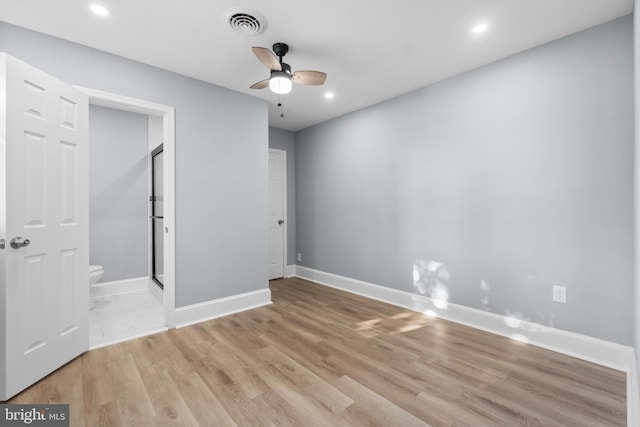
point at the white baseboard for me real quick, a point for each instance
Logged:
(221, 307)
(104, 289)
(290, 271)
(591, 349)
(633, 393)
(156, 291)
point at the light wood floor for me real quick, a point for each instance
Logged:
(319, 356)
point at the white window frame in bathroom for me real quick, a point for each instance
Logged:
(124, 103)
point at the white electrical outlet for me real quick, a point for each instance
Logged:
(299, 256)
(560, 294)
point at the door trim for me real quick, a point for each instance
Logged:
(285, 261)
(120, 102)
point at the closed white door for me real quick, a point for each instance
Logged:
(44, 224)
(277, 210)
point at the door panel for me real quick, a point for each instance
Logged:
(276, 213)
(69, 159)
(44, 285)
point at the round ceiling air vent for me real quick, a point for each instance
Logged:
(245, 21)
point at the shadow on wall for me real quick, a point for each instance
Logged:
(429, 278)
(103, 200)
(431, 289)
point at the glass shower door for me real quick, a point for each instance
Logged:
(157, 217)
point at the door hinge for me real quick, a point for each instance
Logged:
(1, 243)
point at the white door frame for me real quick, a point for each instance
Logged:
(119, 102)
(284, 210)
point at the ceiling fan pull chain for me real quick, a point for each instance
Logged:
(281, 107)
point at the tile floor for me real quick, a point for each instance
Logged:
(124, 316)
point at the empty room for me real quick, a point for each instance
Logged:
(219, 213)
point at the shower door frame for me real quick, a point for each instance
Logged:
(156, 151)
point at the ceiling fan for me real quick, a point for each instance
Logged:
(281, 75)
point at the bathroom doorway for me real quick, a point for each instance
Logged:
(161, 244)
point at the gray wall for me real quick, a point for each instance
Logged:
(493, 186)
(221, 171)
(286, 140)
(118, 193)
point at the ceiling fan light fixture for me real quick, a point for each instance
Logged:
(280, 83)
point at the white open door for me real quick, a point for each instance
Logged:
(44, 224)
(277, 212)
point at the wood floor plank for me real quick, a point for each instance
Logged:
(235, 402)
(526, 403)
(205, 408)
(131, 394)
(443, 412)
(276, 411)
(329, 396)
(107, 415)
(373, 409)
(499, 412)
(305, 406)
(241, 373)
(320, 356)
(170, 408)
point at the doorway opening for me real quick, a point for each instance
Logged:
(161, 185)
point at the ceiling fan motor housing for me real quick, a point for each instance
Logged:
(286, 71)
(286, 68)
(280, 49)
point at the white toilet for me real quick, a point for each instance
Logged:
(95, 273)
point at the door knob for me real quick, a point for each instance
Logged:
(280, 221)
(19, 242)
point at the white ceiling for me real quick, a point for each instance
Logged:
(372, 50)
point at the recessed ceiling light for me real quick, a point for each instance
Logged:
(99, 10)
(329, 95)
(480, 28)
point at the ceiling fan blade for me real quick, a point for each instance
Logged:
(312, 78)
(267, 57)
(260, 85)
